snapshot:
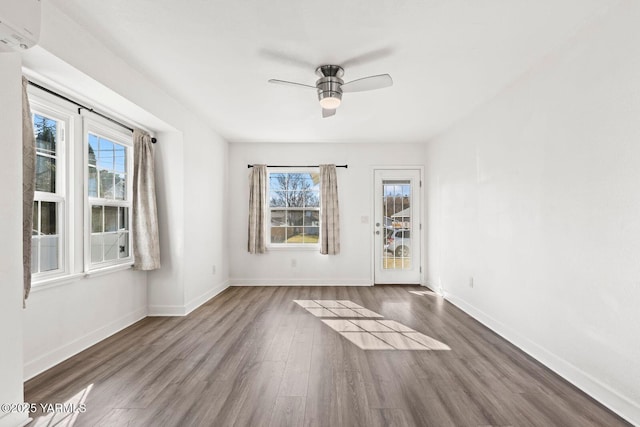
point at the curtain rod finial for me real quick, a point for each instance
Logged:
(154, 140)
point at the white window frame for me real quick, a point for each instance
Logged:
(116, 134)
(42, 105)
(293, 246)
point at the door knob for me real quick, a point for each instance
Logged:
(377, 231)
(377, 224)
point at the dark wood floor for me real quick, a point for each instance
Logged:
(252, 356)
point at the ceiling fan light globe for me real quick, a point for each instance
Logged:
(330, 103)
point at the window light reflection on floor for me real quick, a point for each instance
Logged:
(367, 329)
(62, 414)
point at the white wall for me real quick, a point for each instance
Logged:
(353, 266)
(62, 320)
(536, 197)
(205, 194)
(11, 231)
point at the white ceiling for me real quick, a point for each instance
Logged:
(447, 57)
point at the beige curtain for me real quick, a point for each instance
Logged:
(257, 209)
(28, 187)
(146, 243)
(329, 211)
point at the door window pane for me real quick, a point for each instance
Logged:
(396, 240)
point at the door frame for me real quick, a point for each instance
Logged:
(421, 226)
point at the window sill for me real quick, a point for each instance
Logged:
(54, 282)
(293, 248)
(100, 271)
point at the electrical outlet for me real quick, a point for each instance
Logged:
(294, 263)
(213, 269)
(471, 282)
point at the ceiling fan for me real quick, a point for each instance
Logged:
(330, 86)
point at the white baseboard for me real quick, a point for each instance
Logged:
(618, 403)
(166, 310)
(183, 310)
(52, 358)
(299, 282)
(14, 419)
(198, 301)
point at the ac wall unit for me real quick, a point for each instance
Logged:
(19, 23)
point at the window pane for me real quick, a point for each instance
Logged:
(34, 254)
(106, 184)
(105, 154)
(45, 130)
(36, 221)
(295, 235)
(310, 235)
(315, 179)
(110, 246)
(96, 248)
(311, 218)
(48, 218)
(295, 218)
(110, 219)
(45, 174)
(277, 181)
(93, 182)
(278, 218)
(96, 219)
(120, 158)
(278, 234)
(123, 245)
(121, 186)
(93, 149)
(277, 199)
(48, 253)
(123, 222)
(311, 199)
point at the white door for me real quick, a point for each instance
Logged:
(397, 226)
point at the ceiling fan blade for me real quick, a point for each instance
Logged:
(328, 113)
(286, 83)
(368, 83)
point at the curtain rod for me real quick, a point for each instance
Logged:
(82, 107)
(293, 166)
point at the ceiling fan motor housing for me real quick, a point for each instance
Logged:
(329, 84)
(329, 87)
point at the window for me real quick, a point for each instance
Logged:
(294, 207)
(108, 178)
(48, 242)
(83, 171)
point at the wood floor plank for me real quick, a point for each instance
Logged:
(288, 412)
(252, 356)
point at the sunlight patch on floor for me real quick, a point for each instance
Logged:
(367, 329)
(62, 414)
